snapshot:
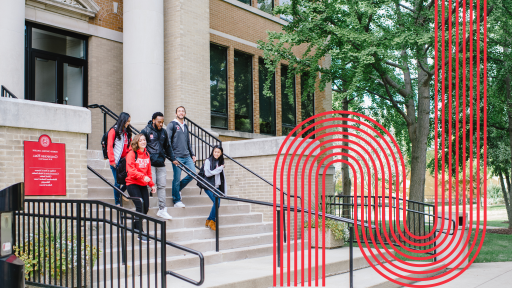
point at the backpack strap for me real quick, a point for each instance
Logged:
(173, 130)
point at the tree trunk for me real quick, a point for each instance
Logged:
(508, 204)
(345, 175)
(418, 133)
(508, 92)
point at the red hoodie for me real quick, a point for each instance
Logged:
(110, 145)
(137, 170)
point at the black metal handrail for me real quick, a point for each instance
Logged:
(194, 127)
(4, 92)
(175, 245)
(82, 211)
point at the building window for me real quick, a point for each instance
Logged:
(289, 110)
(248, 2)
(288, 18)
(219, 86)
(307, 104)
(266, 5)
(243, 92)
(55, 66)
(267, 103)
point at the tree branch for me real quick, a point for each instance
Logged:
(394, 64)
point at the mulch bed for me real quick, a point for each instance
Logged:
(503, 231)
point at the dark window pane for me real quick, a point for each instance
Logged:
(267, 103)
(287, 129)
(218, 85)
(307, 102)
(266, 5)
(243, 92)
(248, 2)
(57, 43)
(288, 99)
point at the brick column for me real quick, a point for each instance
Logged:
(279, 107)
(256, 93)
(231, 88)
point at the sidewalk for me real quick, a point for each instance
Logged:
(482, 275)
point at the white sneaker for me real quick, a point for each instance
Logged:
(163, 214)
(179, 205)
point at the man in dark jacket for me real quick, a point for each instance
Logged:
(158, 147)
(180, 143)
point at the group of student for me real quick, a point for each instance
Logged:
(145, 156)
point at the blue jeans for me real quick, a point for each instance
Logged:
(117, 195)
(214, 208)
(178, 185)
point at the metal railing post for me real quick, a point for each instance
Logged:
(351, 256)
(79, 248)
(278, 237)
(217, 223)
(164, 255)
(104, 122)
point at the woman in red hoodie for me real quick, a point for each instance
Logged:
(138, 167)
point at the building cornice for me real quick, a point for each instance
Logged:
(81, 9)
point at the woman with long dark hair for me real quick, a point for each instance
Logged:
(139, 177)
(214, 172)
(119, 138)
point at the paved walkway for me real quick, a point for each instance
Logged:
(483, 275)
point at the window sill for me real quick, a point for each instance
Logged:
(238, 134)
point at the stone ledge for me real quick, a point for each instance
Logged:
(238, 134)
(45, 116)
(257, 11)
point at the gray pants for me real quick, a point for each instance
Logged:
(159, 178)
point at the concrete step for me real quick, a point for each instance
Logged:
(181, 262)
(256, 272)
(189, 234)
(107, 192)
(189, 201)
(368, 277)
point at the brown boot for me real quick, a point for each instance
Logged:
(212, 225)
(207, 224)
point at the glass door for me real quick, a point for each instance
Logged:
(45, 78)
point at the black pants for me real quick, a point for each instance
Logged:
(139, 192)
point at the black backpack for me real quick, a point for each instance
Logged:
(122, 173)
(104, 143)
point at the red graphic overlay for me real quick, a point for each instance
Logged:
(392, 249)
(45, 167)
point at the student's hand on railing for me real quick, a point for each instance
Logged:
(175, 162)
(194, 159)
(153, 189)
(147, 179)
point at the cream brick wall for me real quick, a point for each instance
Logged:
(105, 83)
(187, 59)
(12, 160)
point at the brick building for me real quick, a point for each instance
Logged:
(154, 55)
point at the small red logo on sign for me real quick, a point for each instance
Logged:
(45, 141)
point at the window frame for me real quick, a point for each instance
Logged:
(251, 116)
(286, 125)
(61, 59)
(216, 113)
(260, 59)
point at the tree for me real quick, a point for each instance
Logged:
(381, 48)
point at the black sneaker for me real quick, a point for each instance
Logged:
(144, 239)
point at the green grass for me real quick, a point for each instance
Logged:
(496, 248)
(495, 223)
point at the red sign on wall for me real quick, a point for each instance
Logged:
(45, 167)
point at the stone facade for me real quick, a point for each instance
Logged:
(23, 120)
(106, 16)
(105, 83)
(187, 59)
(11, 158)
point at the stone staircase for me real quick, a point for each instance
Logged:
(245, 257)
